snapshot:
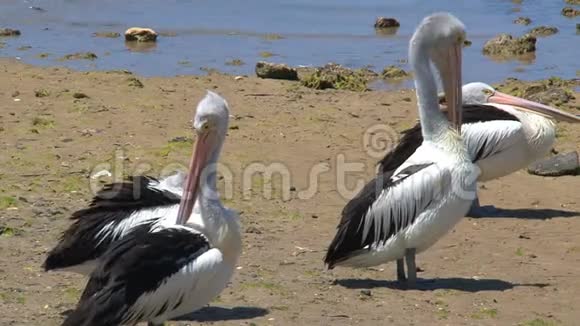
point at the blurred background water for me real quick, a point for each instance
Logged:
(209, 33)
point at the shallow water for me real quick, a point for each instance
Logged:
(209, 33)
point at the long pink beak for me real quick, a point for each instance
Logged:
(192, 186)
(525, 105)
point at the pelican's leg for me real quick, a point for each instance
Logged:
(475, 206)
(401, 270)
(476, 210)
(411, 267)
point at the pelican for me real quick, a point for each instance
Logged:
(405, 211)
(114, 211)
(155, 275)
(502, 133)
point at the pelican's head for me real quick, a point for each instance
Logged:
(211, 125)
(441, 36)
(480, 93)
(212, 116)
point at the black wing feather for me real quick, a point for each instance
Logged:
(112, 204)
(349, 235)
(412, 138)
(134, 265)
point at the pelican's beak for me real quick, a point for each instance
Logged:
(192, 183)
(452, 87)
(525, 105)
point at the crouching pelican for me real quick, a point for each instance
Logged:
(157, 274)
(502, 133)
(405, 211)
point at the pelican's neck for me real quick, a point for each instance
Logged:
(215, 221)
(208, 196)
(434, 124)
(540, 131)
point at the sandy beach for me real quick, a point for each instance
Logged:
(58, 127)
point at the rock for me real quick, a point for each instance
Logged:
(9, 32)
(558, 165)
(275, 71)
(394, 72)
(140, 34)
(335, 76)
(543, 31)
(384, 22)
(80, 56)
(577, 27)
(134, 82)
(107, 34)
(235, 62)
(366, 292)
(552, 91)
(523, 21)
(80, 95)
(253, 229)
(507, 45)
(573, 2)
(570, 12)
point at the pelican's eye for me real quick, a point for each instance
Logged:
(487, 92)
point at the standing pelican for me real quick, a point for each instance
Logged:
(502, 133)
(155, 275)
(404, 212)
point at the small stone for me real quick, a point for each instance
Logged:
(507, 45)
(134, 82)
(4, 32)
(570, 12)
(365, 292)
(385, 22)
(80, 95)
(41, 93)
(140, 34)
(88, 132)
(275, 71)
(523, 21)
(558, 165)
(80, 56)
(543, 31)
(253, 229)
(235, 62)
(107, 34)
(15, 93)
(292, 188)
(394, 72)
(314, 216)
(180, 139)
